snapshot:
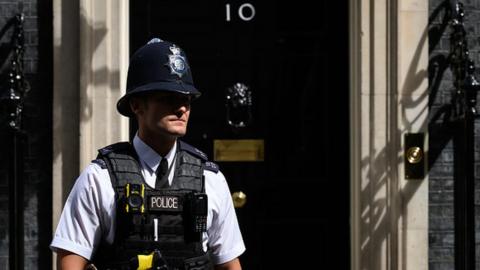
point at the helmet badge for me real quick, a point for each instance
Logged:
(176, 62)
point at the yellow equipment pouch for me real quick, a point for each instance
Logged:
(145, 262)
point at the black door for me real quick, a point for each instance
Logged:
(290, 59)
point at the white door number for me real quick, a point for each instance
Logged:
(246, 12)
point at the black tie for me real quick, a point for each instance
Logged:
(162, 175)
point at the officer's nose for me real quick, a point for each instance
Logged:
(180, 109)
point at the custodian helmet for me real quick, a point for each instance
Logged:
(157, 66)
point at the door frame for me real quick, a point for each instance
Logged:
(389, 98)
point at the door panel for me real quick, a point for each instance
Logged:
(294, 59)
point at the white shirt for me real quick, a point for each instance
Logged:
(89, 212)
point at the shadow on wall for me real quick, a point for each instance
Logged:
(380, 215)
(95, 34)
(69, 113)
(439, 125)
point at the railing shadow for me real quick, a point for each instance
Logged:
(377, 212)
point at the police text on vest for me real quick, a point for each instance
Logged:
(164, 203)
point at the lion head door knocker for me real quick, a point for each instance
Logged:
(239, 105)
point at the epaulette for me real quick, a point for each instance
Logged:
(114, 147)
(100, 162)
(192, 150)
(208, 165)
(211, 166)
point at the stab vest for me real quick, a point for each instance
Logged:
(165, 224)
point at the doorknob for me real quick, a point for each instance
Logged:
(239, 199)
(414, 156)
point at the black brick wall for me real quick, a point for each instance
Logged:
(441, 157)
(37, 124)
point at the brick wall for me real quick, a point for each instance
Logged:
(441, 157)
(38, 125)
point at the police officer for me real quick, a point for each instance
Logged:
(156, 203)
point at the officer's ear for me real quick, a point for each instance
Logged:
(138, 104)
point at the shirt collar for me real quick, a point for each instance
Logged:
(149, 156)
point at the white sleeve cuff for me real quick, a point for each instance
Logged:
(60, 243)
(232, 254)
